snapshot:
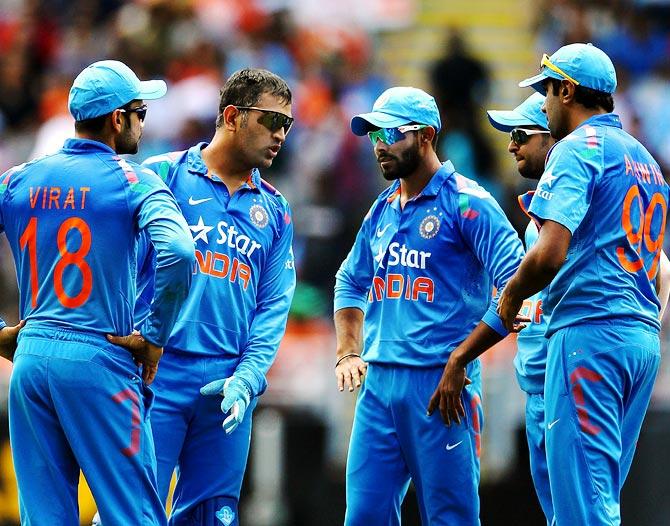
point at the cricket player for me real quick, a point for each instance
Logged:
(417, 280)
(602, 204)
(76, 401)
(228, 331)
(529, 144)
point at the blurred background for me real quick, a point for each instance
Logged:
(337, 58)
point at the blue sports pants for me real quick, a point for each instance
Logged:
(188, 433)
(537, 451)
(393, 441)
(76, 401)
(597, 389)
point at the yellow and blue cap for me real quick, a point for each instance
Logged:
(396, 107)
(528, 113)
(582, 64)
(107, 85)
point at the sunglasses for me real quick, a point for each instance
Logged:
(391, 136)
(272, 120)
(140, 110)
(546, 62)
(521, 135)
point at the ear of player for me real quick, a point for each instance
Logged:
(236, 398)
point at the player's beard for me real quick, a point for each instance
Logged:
(127, 143)
(404, 166)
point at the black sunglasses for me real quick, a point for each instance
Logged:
(272, 120)
(522, 136)
(140, 110)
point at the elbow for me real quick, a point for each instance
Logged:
(183, 251)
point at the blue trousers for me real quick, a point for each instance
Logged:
(597, 389)
(77, 402)
(188, 434)
(535, 427)
(393, 441)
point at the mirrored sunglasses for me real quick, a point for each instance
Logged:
(391, 136)
(272, 120)
(522, 135)
(140, 110)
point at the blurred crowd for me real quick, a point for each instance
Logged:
(327, 174)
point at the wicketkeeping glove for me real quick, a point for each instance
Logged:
(236, 397)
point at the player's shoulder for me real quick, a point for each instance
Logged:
(163, 162)
(136, 178)
(270, 193)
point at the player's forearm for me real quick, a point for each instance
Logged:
(478, 341)
(348, 330)
(265, 335)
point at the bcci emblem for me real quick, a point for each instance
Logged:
(259, 216)
(429, 227)
(226, 515)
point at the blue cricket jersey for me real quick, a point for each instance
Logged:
(72, 220)
(530, 361)
(244, 276)
(423, 275)
(605, 187)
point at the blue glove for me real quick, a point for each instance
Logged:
(236, 397)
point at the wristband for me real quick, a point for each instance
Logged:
(346, 356)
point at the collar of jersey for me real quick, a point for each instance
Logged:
(197, 165)
(431, 189)
(86, 145)
(606, 119)
(438, 179)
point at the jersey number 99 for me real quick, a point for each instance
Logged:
(67, 258)
(641, 236)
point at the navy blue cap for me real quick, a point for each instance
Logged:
(107, 85)
(528, 113)
(396, 107)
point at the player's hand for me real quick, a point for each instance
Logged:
(447, 396)
(8, 336)
(145, 353)
(236, 397)
(508, 310)
(350, 372)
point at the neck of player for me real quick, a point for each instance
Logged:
(414, 183)
(221, 161)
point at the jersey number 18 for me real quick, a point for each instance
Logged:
(67, 258)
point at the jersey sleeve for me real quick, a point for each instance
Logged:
(489, 234)
(274, 296)
(159, 215)
(354, 277)
(146, 263)
(565, 190)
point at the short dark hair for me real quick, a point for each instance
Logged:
(246, 87)
(91, 126)
(587, 97)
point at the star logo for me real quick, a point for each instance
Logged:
(200, 230)
(379, 258)
(547, 179)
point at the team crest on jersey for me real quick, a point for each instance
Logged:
(259, 216)
(226, 515)
(429, 227)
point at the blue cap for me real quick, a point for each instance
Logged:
(107, 85)
(528, 113)
(396, 107)
(585, 63)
